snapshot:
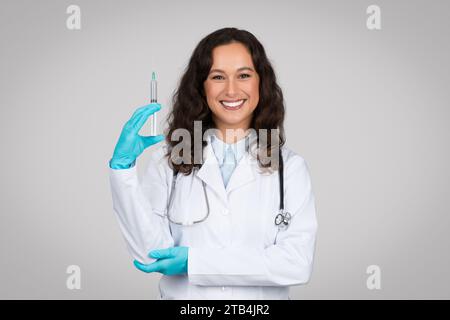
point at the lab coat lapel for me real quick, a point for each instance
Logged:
(210, 173)
(243, 173)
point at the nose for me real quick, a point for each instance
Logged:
(231, 88)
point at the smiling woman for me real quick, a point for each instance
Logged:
(219, 228)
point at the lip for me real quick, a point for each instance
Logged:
(233, 100)
(233, 108)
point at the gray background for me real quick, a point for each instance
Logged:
(368, 110)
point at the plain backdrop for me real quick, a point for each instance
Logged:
(367, 109)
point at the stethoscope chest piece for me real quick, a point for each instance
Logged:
(283, 219)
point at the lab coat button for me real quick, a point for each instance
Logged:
(225, 211)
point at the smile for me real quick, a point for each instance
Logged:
(233, 105)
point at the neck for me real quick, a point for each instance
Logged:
(232, 133)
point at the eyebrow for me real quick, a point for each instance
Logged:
(240, 69)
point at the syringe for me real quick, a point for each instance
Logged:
(153, 99)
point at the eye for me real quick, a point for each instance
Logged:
(246, 74)
(215, 77)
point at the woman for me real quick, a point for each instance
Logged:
(212, 233)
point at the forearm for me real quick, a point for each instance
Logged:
(142, 230)
(247, 267)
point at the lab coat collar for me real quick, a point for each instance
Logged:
(210, 172)
(242, 174)
(219, 147)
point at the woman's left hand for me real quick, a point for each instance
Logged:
(171, 261)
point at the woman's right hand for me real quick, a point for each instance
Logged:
(131, 144)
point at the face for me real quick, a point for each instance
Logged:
(232, 87)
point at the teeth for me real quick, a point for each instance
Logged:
(233, 104)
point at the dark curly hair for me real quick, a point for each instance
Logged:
(189, 100)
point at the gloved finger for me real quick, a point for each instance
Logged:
(138, 122)
(151, 140)
(129, 125)
(152, 108)
(136, 113)
(140, 109)
(161, 253)
(146, 112)
(152, 267)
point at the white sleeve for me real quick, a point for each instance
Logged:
(140, 208)
(286, 263)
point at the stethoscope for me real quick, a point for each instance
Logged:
(282, 219)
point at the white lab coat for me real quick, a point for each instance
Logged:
(238, 252)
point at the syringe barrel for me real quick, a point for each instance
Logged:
(153, 92)
(153, 99)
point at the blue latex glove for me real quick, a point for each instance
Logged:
(171, 261)
(131, 144)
